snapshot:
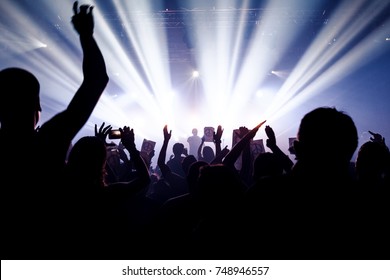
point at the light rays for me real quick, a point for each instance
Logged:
(235, 48)
(322, 66)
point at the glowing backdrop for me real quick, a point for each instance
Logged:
(255, 60)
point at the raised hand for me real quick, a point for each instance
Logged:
(127, 138)
(271, 141)
(376, 137)
(163, 152)
(167, 135)
(102, 132)
(82, 19)
(242, 131)
(217, 135)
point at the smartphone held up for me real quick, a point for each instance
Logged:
(114, 134)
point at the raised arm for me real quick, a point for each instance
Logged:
(219, 157)
(376, 137)
(143, 178)
(95, 77)
(217, 140)
(165, 170)
(246, 159)
(94, 68)
(200, 156)
(282, 157)
(235, 152)
(56, 134)
(102, 132)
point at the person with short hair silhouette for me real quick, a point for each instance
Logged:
(310, 212)
(30, 171)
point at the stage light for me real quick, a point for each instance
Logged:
(259, 93)
(195, 74)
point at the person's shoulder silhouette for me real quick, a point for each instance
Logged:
(313, 201)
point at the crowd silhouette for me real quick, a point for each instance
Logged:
(98, 200)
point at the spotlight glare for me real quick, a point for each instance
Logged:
(195, 74)
(259, 93)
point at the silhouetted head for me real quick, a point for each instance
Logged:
(327, 135)
(87, 160)
(178, 149)
(19, 97)
(372, 161)
(193, 174)
(208, 154)
(186, 163)
(194, 132)
(266, 164)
